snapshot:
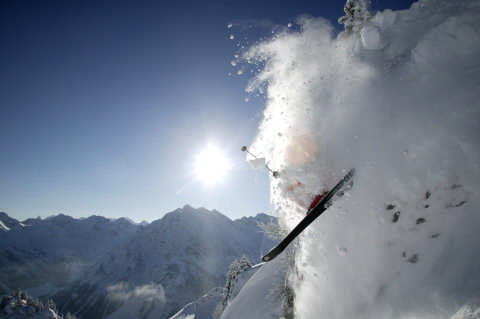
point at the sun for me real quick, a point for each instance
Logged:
(211, 165)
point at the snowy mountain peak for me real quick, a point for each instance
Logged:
(7, 222)
(3, 227)
(190, 215)
(200, 210)
(98, 219)
(261, 217)
(60, 219)
(123, 221)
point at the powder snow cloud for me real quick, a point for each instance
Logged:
(399, 101)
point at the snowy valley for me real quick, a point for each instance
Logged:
(102, 268)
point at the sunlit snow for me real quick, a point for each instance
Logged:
(398, 101)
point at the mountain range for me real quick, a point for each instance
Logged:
(114, 268)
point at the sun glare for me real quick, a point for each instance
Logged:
(211, 165)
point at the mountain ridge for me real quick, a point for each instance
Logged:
(4, 216)
(89, 265)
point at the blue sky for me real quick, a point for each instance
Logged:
(105, 104)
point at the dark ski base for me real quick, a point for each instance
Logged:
(312, 214)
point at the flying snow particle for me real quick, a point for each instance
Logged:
(342, 251)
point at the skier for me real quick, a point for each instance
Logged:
(322, 203)
(319, 202)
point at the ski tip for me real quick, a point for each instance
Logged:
(351, 173)
(269, 257)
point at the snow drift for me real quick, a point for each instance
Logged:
(399, 101)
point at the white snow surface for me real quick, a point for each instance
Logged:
(202, 308)
(7, 223)
(400, 102)
(259, 296)
(3, 227)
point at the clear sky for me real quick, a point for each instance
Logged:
(105, 105)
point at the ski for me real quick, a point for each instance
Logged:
(312, 214)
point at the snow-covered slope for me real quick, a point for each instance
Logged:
(6, 222)
(260, 295)
(202, 308)
(251, 291)
(3, 227)
(399, 101)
